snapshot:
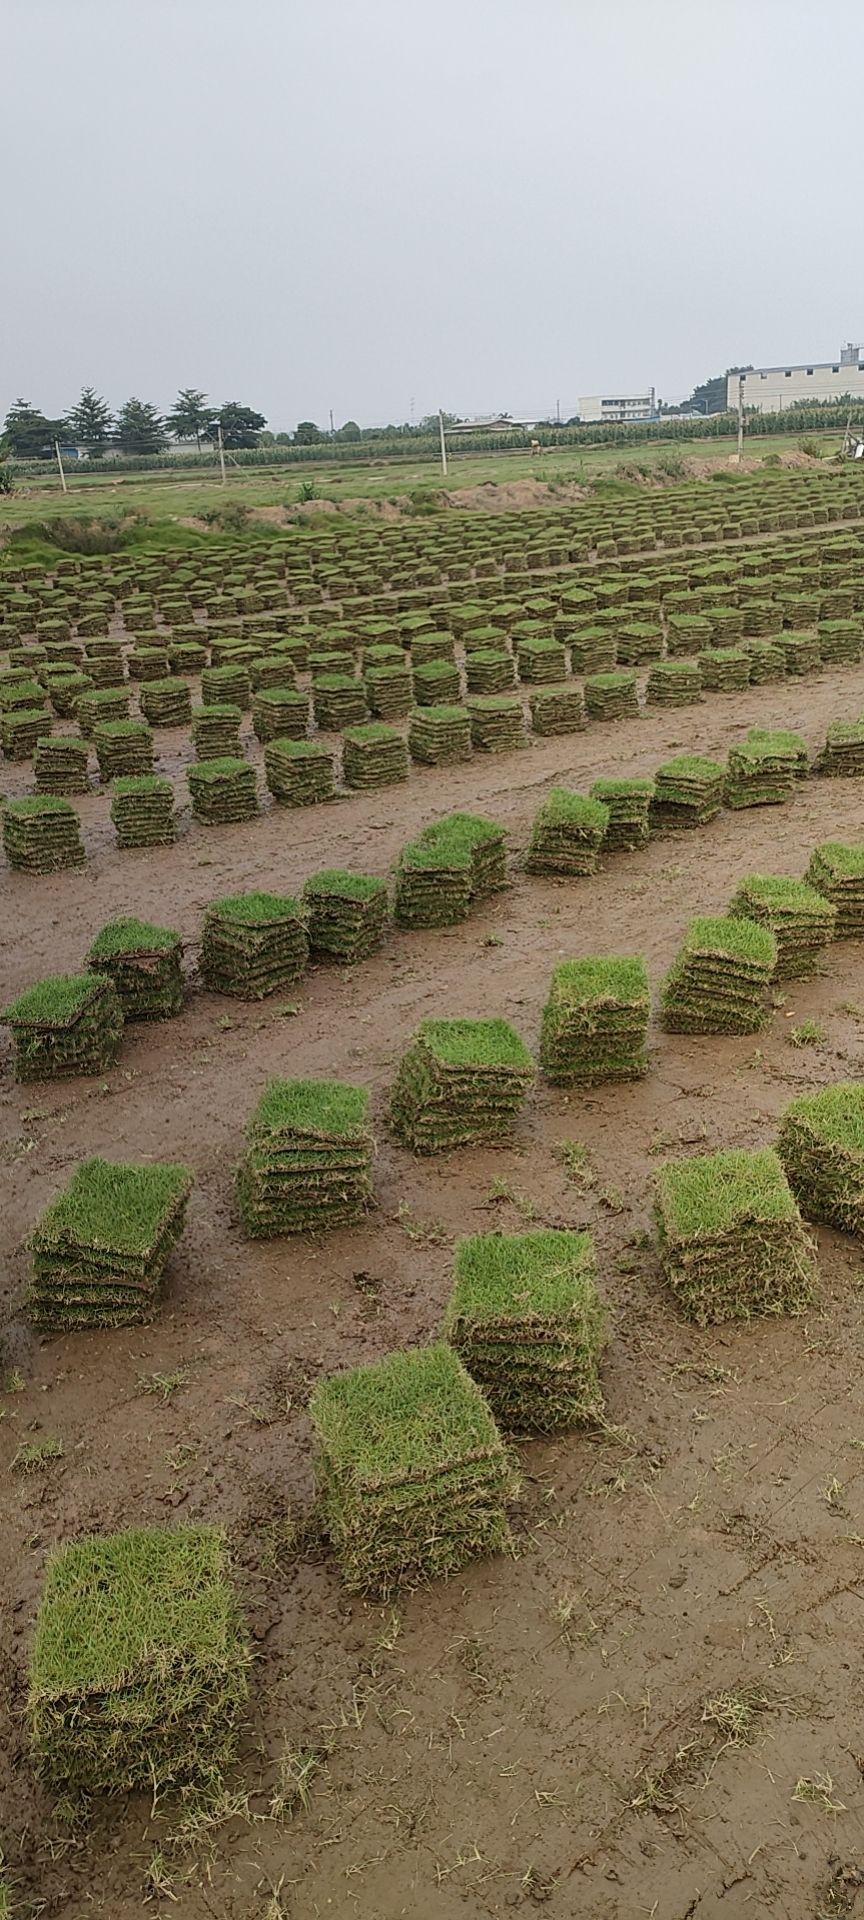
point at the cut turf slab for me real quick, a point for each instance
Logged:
(460, 1083)
(732, 1241)
(347, 914)
(100, 1250)
(837, 872)
(801, 920)
(65, 1025)
(720, 979)
(595, 1022)
(821, 1145)
(143, 963)
(567, 834)
(253, 944)
(526, 1319)
(308, 1162)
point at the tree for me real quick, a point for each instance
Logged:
(240, 425)
(307, 434)
(140, 428)
(90, 423)
(28, 434)
(190, 416)
(350, 431)
(429, 423)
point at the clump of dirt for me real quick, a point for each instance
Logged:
(503, 497)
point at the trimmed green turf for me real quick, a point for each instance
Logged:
(128, 935)
(55, 1002)
(402, 1416)
(114, 1206)
(713, 1193)
(323, 1109)
(476, 1043)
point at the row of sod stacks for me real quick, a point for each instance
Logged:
(139, 1669)
(143, 963)
(439, 736)
(216, 732)
(801, 920)
(628, 804)
(821, 1145)
(68, 1024)
(308, 1162)
(142, 810)
(567, 834)
(688, 791)
(447, 869)
(374, 756)
(413, 1472)
(461, 1082)
(347, 914)
(595, 1022)
(100, 1250)
(720, 979)
(732, 1241)
(837, 872)
(60, 764)
(843, 752)
(253, 944)
(674, 683)
(42, 834)
(299, 773)
(123, 748)
(526, 1319)
(763, 770)
(556, 710)
(222, 791)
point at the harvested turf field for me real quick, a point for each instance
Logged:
(650, 1699)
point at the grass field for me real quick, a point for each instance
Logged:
(166, 496)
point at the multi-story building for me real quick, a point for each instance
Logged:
(770, 389)
(615, 409)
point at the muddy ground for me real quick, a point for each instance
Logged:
(530, 1733)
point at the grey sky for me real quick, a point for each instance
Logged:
(467, 203)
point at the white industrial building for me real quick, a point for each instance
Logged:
(770, 389)
(616, 409)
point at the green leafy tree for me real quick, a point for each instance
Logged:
(307, 434)
(190, 416)
(90, 424)
(240, 425)
(28, 434)
(350, 431)
(140, 428)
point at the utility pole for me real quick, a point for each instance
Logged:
(740, 417)
(557, 413)
(331, 420)
(443, 441)
(221, 450)
(60, 465)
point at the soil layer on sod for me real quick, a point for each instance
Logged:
(732, 1242)
(308, 1164)
(595, 1022)
(138, 1674)
(253, 944)
(821, 1145)
(143, 963)
(100, 1249)
(413, 1472)
(719, 981)
(460, 1082)
(68, 1024)
(525, 1317)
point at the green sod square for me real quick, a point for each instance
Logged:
(525, 1317)
(821, 1146)
(731, 1238)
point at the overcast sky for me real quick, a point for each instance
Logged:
(366, 205)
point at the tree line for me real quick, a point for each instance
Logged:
(137, 428)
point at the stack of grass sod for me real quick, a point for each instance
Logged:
(143, 963)
(843, 752)
(801, 920)
(436, 682)
(839, 642)
(338, 700)
(611, 696)
(280, 713)
(299, 773)
(166, 703)
(567, 834)
(592, 650)
(413, 1472)
(541, 660)
(68, 1024)
(674, 683)
(687, 632)
(460, 1083)
(784, 740)
(497, 722)
(60, 764)
(308, 1162)
(42, 834)
(439, 736)
(724, 669)
(800, 652)
(253, 944)
(556, 710)
(222, 791)
(100, 1251)
(388, 686)
(347, 914)
(638, 642)
(123, 748)
(732, 1241)
(688, 791)
(138, 1675)
(595, 1022)
(142, 810)
(449, 867)
(526, 1320)
(99, 706)
(720, 978)
(216, 731)
(762, 771)
(628, 804)
(837, 872)
(374, 755)
(226, 685)
(821, 1145)
(20, 729)
(767, 661)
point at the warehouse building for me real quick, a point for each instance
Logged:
(616, 409)
(770, 389)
